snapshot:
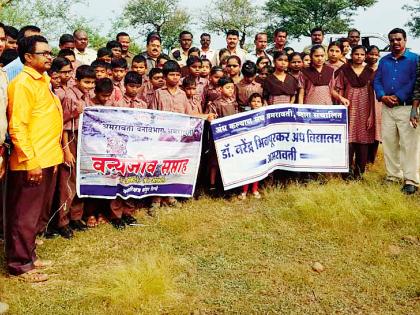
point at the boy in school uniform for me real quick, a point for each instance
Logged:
(189, 85)
(156, 81)
(76, 98)
(139, 64)
(119, 69)
(121, 211)
(103, 70)
(104, 54)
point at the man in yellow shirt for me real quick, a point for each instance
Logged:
(35, 128)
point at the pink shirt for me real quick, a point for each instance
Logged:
(74, 100)
(135, 102)
(166, 101)
(245, 90)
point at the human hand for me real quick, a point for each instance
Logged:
(414, 117)
(34, 177)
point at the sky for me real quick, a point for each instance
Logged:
(380, 18)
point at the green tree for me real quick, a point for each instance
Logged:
(414, 23)
(54, 17)
(300, 16)
(225, 15)
(162, 16)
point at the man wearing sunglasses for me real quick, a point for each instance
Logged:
(35, 128)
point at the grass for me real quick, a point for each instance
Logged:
(243, 257)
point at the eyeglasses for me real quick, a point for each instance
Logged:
(65, 72)
(46, 54)
(232, 66)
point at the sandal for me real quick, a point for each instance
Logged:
(257, 195)
(42, 264)
(242, 196)
(102, 219)
(91, 222)
(33, 276)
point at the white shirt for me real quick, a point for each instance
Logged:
(238, 52)
(209, 54)
(253, 56)
(86, 57)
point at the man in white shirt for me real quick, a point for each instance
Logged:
(84, 54)
(260, 42)
(205, 51)
(232, 40)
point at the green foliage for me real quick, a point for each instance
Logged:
(162, 16)
(300, 16)
(414, 22)
(54, 17)
(225, 15)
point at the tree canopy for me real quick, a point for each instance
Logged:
(414, 22)
(224, 15)
(300, 16)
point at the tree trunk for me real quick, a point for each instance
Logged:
(242, 40)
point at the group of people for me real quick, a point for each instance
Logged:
(44, 96)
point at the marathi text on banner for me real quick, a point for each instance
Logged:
(135, 153)
(303, 138)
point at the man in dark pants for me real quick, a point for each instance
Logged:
(35, 128)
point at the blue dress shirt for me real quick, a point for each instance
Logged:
(396, 77)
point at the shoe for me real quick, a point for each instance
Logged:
(152, 209)
(77, 225)
(409, 189)
(51, 233)
(4, 308)
(242, 196)
(65, 232)
(33, 276)
(256, 195)
(42, 264)
(129, 220)
(172, 202)
(118, 224)
(91, 222)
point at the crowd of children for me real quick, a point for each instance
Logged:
(199, 87)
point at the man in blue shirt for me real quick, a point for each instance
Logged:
(394, 85)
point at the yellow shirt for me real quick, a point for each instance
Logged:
(35, 122)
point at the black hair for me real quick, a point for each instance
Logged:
(304, 54)
(269, 68)
(11, 31)
(288, 49)
(119, 63)
(358, 47)
(104, 85)
(85, 71)
(372, 47)
(292, 55)
(153, 36)
(398, 31)
(277, 54)
(232, 32)
(132, 77)
(317, 29)
(162, 56)
(234, 57)
(8, 56)
(171, 66)
(224, 80)
(66, 52)
(192, 60)
(280, 30)
(215, 69)
(222, 51)
(206, 60)
(27, 45)
(353, 30)
(338, 44)
(194, 49)
(60, 62)
(344, 40)
(113, 44)
(139, 59)
(254, 95)
(154, 71)
(315, 47)
(104, 51)
(121, 34)
(258, 34)
(185, 33)
(205, 34)
(261, 58)
(65, 38)
(249, 69)
(189, 81)
(100, 64)
(23, 30)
